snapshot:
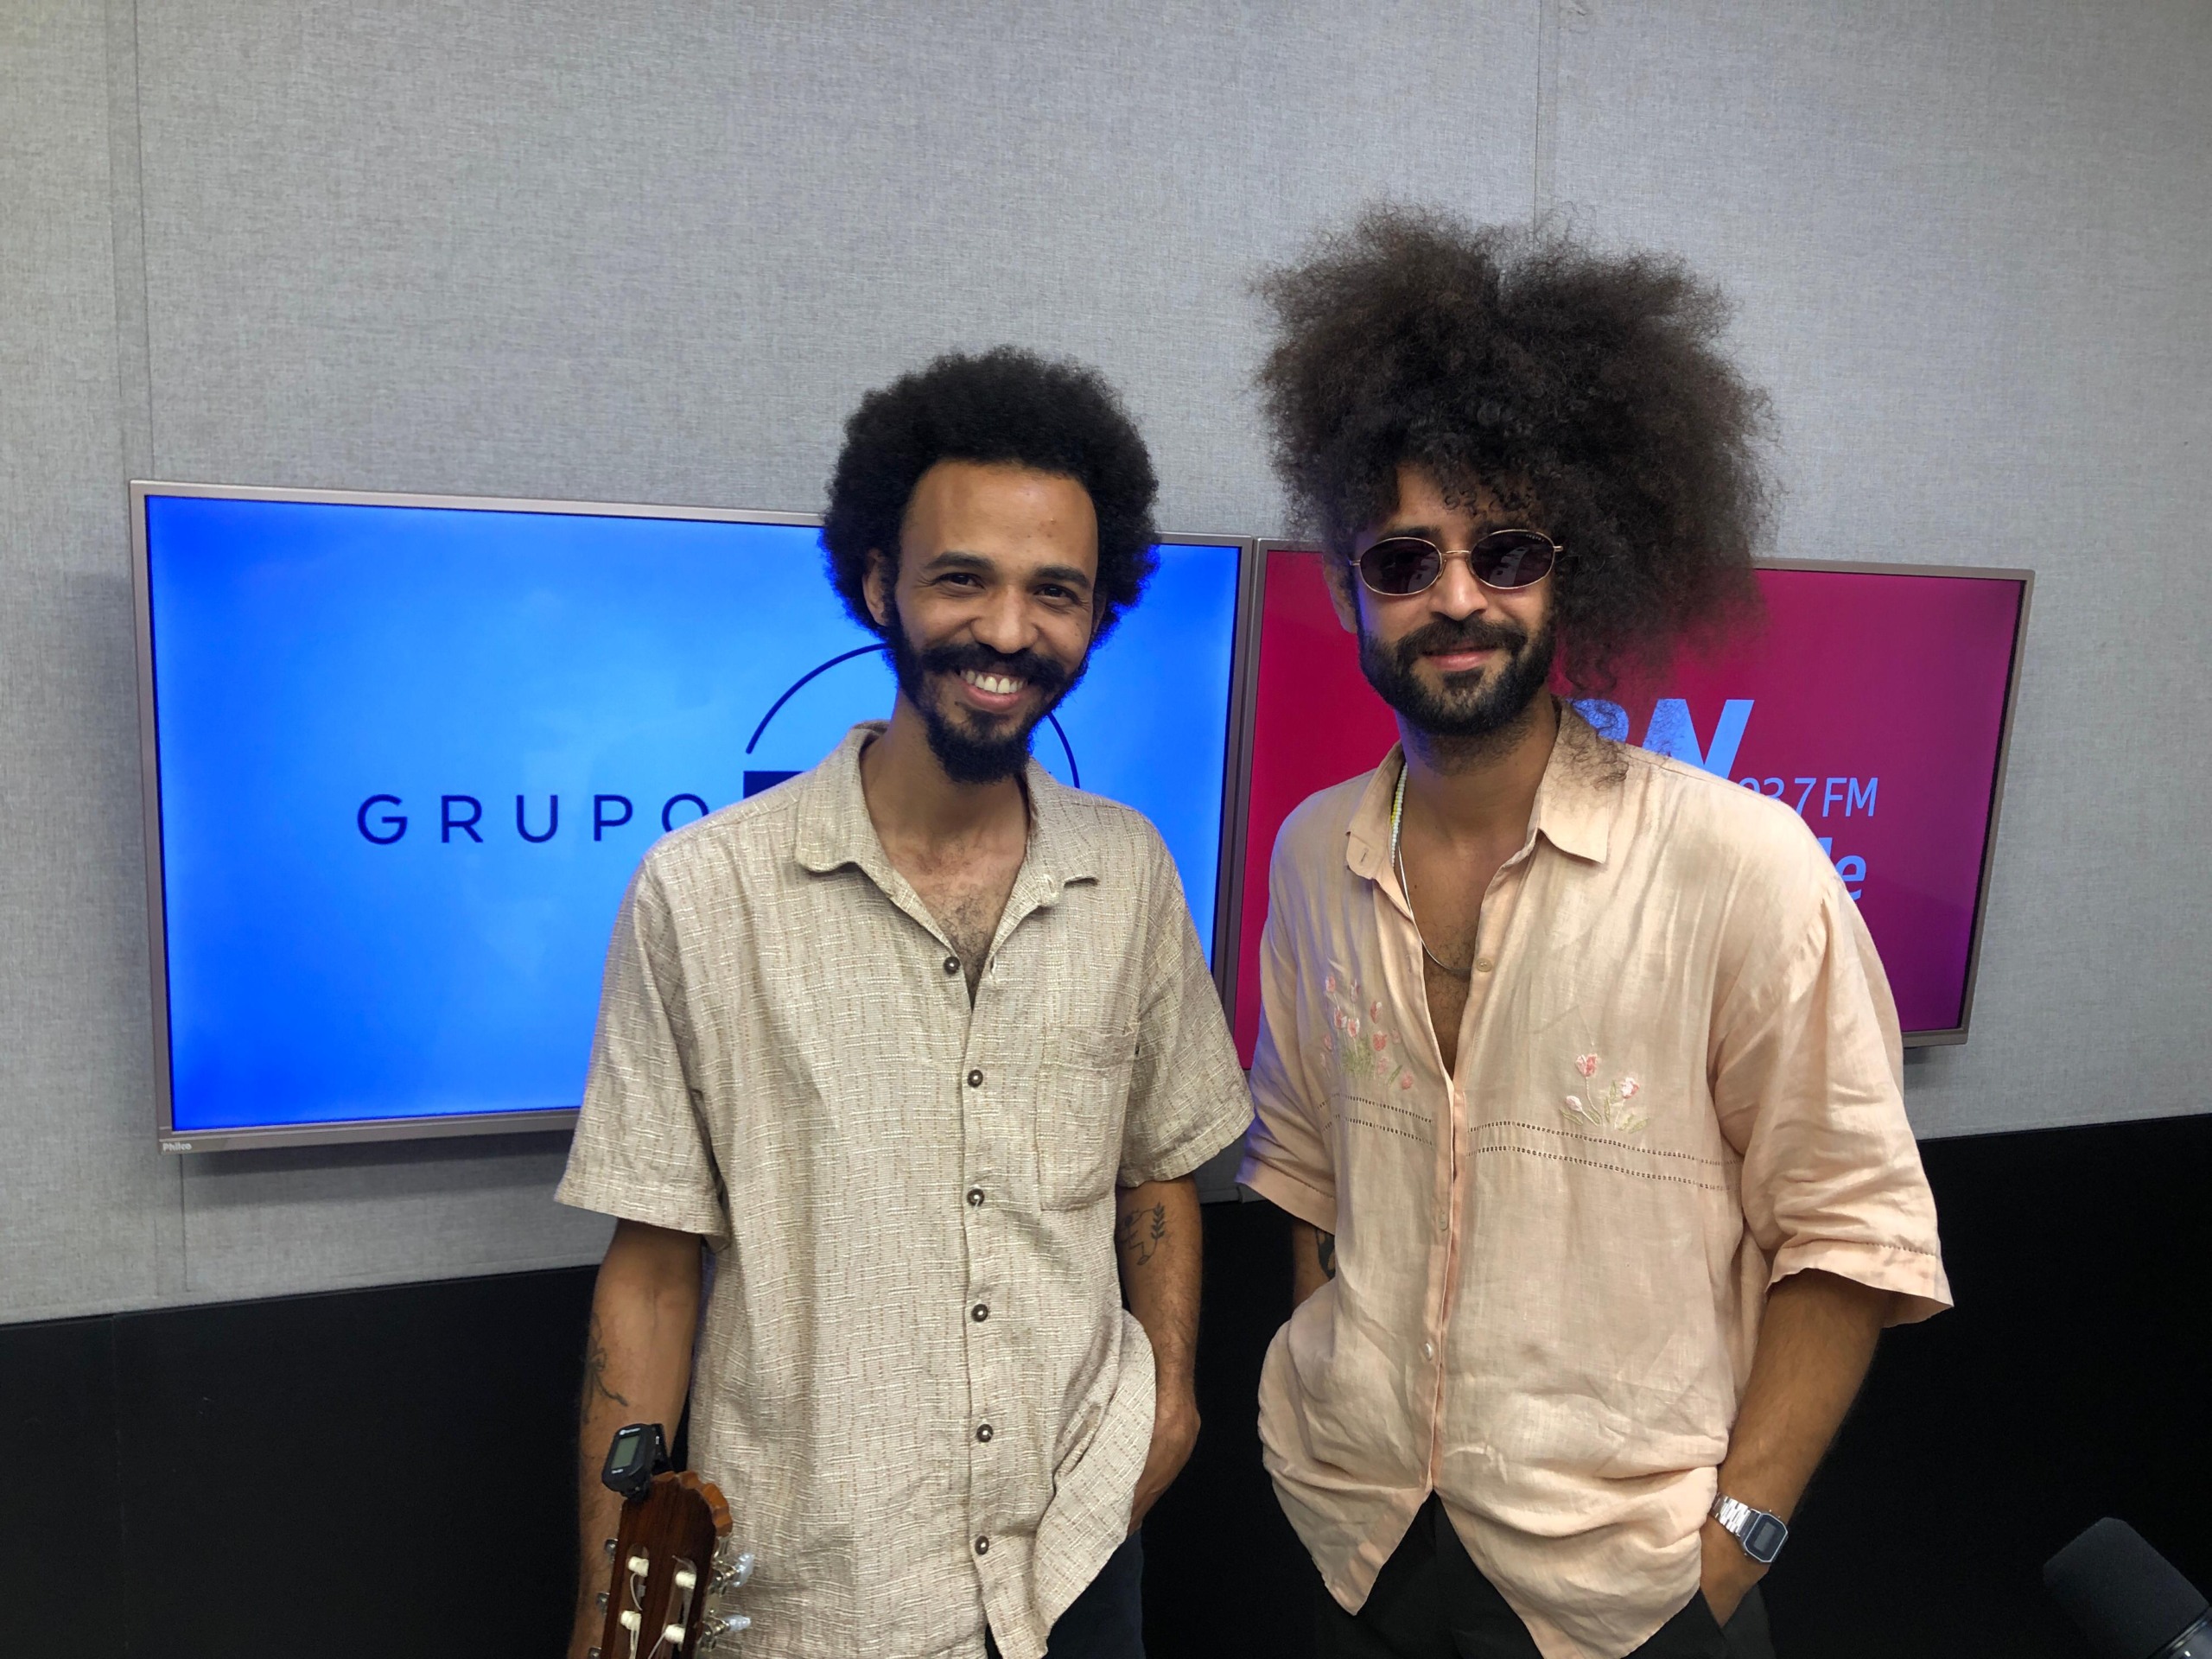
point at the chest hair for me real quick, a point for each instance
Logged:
(1448, 904)
(967, 898)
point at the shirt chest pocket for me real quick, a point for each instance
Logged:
(1082, 1094)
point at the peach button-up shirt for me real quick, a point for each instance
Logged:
(1679, 1081)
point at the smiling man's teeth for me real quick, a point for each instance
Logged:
(999, 685)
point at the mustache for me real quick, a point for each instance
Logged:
(974, 657)
(1470, 634)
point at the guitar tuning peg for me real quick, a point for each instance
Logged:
(720, 1627)
(734, 1575)
(609, 1547)
(602, 1601)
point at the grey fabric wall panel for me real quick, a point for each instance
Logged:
(261, 1224)
(657, 251)
(83, 1196)
(1974, 248)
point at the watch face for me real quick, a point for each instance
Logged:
(1763, 1537)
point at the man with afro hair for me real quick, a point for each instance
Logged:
(1578, 1072)
(921, 1046)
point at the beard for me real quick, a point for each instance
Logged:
(975, 748)
(1472, 704)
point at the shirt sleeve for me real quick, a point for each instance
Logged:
(1288, 1157)
(1807, 1078)
(641, 1151)
(1187, 1099)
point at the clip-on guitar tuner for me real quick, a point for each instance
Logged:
(668, 1597)
(635, 1455)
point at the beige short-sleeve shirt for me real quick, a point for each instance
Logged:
(1679, 1080)
(915, 1382)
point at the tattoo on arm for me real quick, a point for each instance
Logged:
(1324, 1246)
(1139, 1234)
(595, 1389)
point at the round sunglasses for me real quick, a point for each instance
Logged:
(1397, 566)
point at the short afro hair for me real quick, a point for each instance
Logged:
(1591, 388)
(1001, 406)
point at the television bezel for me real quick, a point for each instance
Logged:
(1234, 756)
(1246, 699)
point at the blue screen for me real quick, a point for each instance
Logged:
(336, 957)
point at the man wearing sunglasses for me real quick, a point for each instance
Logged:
(1578, 1073)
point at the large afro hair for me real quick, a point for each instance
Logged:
(1004, 405)
(1590, 391)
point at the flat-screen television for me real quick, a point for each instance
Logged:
(1875, 699)
(402, 752)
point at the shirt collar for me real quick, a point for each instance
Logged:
(1575, 804)
(834, 829)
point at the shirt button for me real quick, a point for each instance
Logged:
(983, 1546)
(1444, 1221)
(1484, 964)
(975, 1196)
(980, 1311)
(975, 1079)
(1428, 1350)
(983, 1433)
(952, 965)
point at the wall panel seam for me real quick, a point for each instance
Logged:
(127, 1611)
(127, 218)
(164, 1233)
(1547, 138)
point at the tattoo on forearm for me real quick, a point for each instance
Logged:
(1324, 1246)
(595, 1389)
(1139, 1234)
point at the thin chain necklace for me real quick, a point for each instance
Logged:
(1397, 863)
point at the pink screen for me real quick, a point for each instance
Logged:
(1872, 703)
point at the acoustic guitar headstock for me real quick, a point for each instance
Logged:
(673, 1574)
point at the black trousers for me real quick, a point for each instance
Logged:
(1107, 1620)
(1431, 1601)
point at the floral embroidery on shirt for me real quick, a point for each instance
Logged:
(1609, 1109)
(1363, 1047)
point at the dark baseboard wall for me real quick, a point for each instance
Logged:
(379, 1471)
(389, 1471)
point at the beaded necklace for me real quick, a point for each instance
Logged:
(1397, 863)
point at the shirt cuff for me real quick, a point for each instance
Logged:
(1311, 1205)
(1916, 1278)
(679, 1213)
(1189, 1154)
